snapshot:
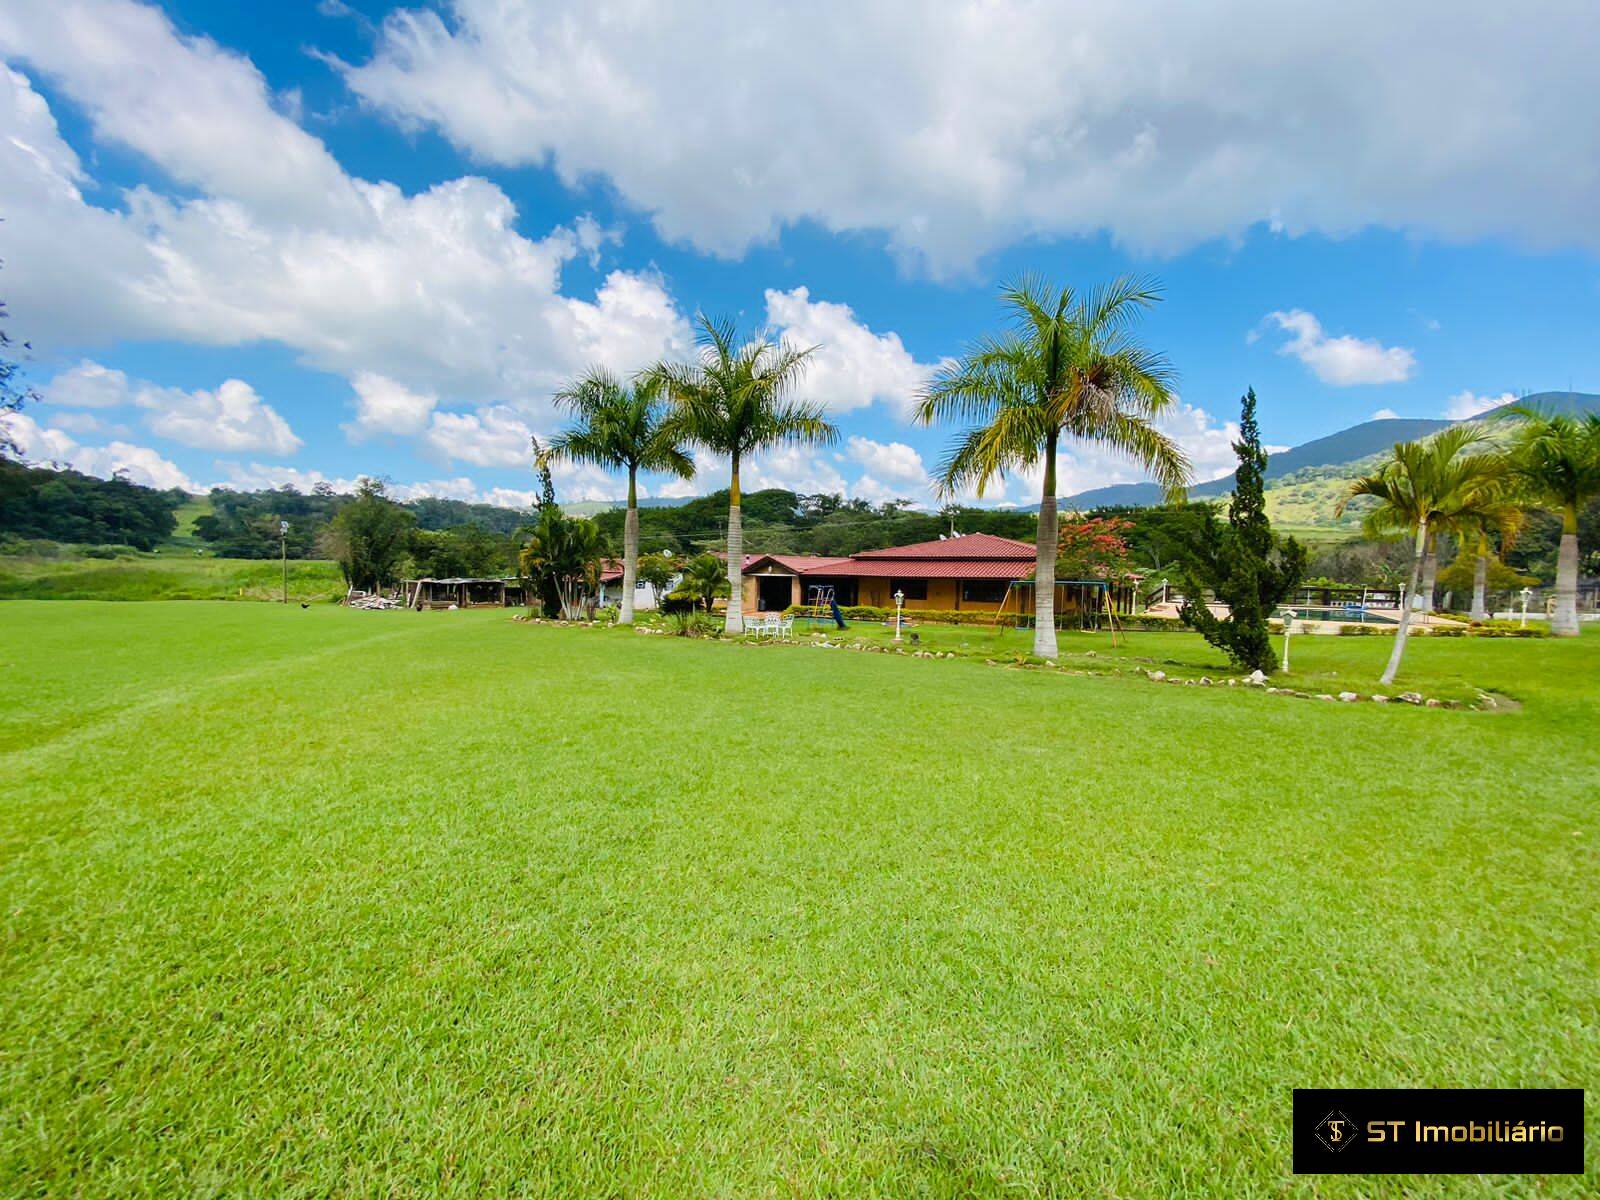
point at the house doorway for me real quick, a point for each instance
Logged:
(774, 593)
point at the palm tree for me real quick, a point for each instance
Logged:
(1497, 515)
(704, 579)
(734, 401)
(620, 427)
(1069, 367)
(1556, 459)
(567, 553)
(1427, 486)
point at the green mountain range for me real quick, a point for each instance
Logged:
(1305, 483)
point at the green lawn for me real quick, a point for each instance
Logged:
(175, 573)
(317, 902)
(1319, 664)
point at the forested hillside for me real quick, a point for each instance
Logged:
(64, 506)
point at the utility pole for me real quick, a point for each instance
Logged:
(283, 550)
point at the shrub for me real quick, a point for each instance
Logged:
(693, 624)
(31, 547)
(676, 602)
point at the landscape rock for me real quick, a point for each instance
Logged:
(1410, 697)
(1379, 698)
(1157, 676)
(1256, 678)
(1349, 697)
(1324, 696)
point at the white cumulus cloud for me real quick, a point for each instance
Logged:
(140, 464)
(1468, 404)
(891, 471)
(385, 408)
(1342, 361)
(88, 385)
(958, 129)
(233, 418)
(852, 366)
(269, 238)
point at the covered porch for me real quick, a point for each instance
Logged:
(463, 592)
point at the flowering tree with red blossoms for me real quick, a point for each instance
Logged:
(1096, 548)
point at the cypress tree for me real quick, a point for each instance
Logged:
(1243, 563)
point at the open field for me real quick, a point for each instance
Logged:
(174, 574)
(317, 902)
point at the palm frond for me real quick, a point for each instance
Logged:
(1014, 439)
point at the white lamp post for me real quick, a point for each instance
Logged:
(1526, 592)
(283, 548)
(899, 603)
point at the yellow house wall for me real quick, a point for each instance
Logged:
(943, 596)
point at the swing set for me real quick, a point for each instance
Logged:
(1089, 612)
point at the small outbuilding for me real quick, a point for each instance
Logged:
(464, 592)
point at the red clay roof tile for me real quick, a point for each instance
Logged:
(967, 546)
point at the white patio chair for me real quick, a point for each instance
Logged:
(786, 628)
(755, 626)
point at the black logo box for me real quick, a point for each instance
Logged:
(1481, 1126)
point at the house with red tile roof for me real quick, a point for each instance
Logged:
(964, 573)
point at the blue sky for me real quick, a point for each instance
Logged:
(369, 240)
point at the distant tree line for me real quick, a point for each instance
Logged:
(777, 521)
(66, 506)
(245, 524)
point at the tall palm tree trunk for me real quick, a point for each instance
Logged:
(1564, 620)
(1399, 650)
(1430, 573)
(1480, 581)
(1044, 572)
(630, 548)
(734, 623)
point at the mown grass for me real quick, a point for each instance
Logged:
(318, 902)
(174, 574)
(1318, 664)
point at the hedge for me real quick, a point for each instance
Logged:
(945, 616)
(1495, 629)
(938, 616)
